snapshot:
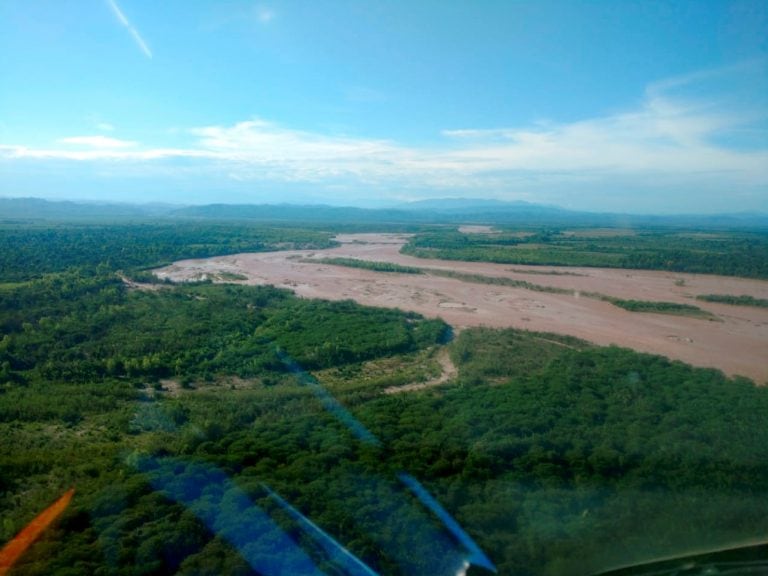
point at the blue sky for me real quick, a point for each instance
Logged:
(641, 106)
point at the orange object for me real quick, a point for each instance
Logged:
(32, 531)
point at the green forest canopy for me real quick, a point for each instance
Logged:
(736, 253)
(556, 456)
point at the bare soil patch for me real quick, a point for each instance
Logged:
(738, 344)
(472, 229)
(146, 287)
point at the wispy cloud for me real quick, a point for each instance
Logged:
(133, 32)
(663, 136)
(98, 141)
(666, 142)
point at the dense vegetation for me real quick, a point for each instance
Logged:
(78, 329)
(659, 307)
(85, 363)
(565, 458)
(30, 251)
(176, 417)
(741, 300)
(726, 253)
(368, 265)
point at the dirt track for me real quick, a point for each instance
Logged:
(447, 371)
(737, 343)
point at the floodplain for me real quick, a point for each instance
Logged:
(565, 300)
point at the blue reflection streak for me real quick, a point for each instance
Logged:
(476, 556)
(228, 512)
(341, 557)
(329, 402)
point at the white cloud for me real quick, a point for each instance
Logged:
(664, 135)
(98, 141)
(100, 154)
(666, 141)
(105, 126)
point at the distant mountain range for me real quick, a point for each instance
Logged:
(464, 205)
(36, 208)
(441, 211)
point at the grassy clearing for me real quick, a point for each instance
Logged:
(230, 276)
(489, 356)
(365, 380)
(8, 286)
